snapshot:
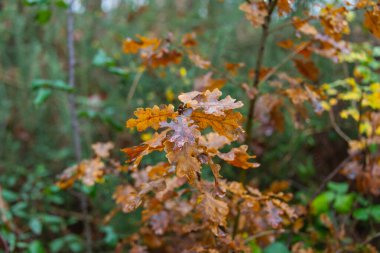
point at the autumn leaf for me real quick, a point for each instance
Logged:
(102, 150)
(334, 21)
(304, 27)
(284, 7)
(131, 46)
(307, 68)
(372, 21)
(184, 131)
(188, 40)
(199, 61)
(185, 159)
(227, 125)
(255, 12)
(213, 142)
(127, 198)
(239, 157)
(206, 82)
(208, 102)
(151, 117)
(162, 58)
(215, 211)
(273, 214)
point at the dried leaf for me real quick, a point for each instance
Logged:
(227, 125)
(239, 157)
(102, 150)
(185, 159)
(151, 117)
(184, 131)
(284, 7)
(206, 82)
(307, 68)
(199, 61)
(209, 103)
(127, 198)
(215, 211)
(255, 12)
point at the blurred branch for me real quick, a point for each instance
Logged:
(329, 178)
(132, 91)
(259, 61)
(337, 129)
(74, 119)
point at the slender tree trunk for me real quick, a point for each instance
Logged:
(74, 120)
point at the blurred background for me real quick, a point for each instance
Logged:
(35, 132)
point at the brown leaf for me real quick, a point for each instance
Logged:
(185, 159)
(208, 102)
(199, 61)
(304, 27)
(184, 131)
(239, 157)
(127, 198)
(206, 82)
(307, 68)
(372, 21)
(213, 142)
(227, 125)
(102, 150)
(284, 7)
(215, 211)
(255, 12)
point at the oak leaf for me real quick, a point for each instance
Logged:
(239, 157)
(255, 12)
(227, 125)
(307, 68)
(151, 117)
(208, 102)
(199, 61)
(206, 82)
(185, 159)
(102, 150)
(215, 211)
(184, 131)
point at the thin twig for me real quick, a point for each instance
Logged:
(74, 119)
(369, 239)
(259, 61)
(337, 129)
(329, 178)
(264, 233)
(132, 91)
(285, 60)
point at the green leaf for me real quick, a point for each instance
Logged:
(343, 203)
(43, 16)
(42, 96)
(361, 214)
(52, 84)
(276, 247)
(61, 4)
(338, 187)
(101, 59)
(375, 213)
(36, 226)
(36, 247)
(123, 72)
(322, 202)
(35, 2)
(254, 247)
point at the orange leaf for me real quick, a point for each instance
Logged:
(307, 68)
(151, 117)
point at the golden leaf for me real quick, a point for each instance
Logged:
(151, 117)
(372, 21)
(227, 125)
(284, 7)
